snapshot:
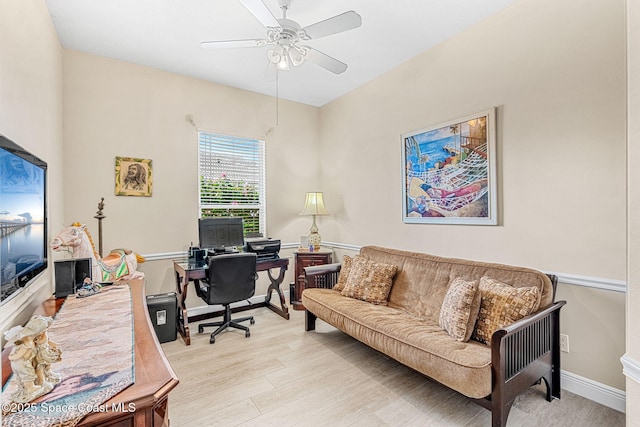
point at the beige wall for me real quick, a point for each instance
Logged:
(31, 116)
(633, 207)
(114, 108)
(556, 73)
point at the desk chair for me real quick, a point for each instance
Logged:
(230, 278)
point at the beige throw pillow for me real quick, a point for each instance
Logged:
(501, 305)
(369, 281)
(345, 269)
(460, 307)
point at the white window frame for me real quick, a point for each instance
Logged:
(240, 161)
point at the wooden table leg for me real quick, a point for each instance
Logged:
(283, 310)
(182, 283)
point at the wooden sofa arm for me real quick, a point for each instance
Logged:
(522, 354)
(321, 276)
(525, 321)
(323, 269)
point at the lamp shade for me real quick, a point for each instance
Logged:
(314, 205)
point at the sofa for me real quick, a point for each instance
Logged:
(488, 331)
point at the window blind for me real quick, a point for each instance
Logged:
(232, 179)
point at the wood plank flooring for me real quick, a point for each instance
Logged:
(284, 376)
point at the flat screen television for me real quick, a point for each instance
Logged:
(23, 217)
(220, 233)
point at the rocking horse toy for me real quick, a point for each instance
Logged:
(120, 264)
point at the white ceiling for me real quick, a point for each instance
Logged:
(166, 35)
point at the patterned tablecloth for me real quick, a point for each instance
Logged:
(95, 335)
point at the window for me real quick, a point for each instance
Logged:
(232, 179)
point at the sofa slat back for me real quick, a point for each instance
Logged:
(422, 280)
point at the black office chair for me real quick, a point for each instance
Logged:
(230, 278)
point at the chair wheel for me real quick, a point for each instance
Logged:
(247, 334)
(212, 340)
(253, 322)
(200, 329)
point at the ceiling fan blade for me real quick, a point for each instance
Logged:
(325, 61)
(261, 12)
(337, 24)
(228, 44)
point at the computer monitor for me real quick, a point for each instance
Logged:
(220, 233)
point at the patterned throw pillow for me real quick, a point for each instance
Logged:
(501, 305)
(345, 269)
(369, 281)
(460, 307)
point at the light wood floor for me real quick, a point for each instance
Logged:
(284, 376)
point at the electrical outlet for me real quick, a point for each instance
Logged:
(564, 343)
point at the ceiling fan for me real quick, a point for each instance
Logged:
(286, 37)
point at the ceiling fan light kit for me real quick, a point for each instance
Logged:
(286, 35)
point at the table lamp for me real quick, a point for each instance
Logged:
(314, 205)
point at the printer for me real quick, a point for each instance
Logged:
(264, 248)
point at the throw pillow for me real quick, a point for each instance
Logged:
(460, 307)
(501, 305)
(345, 269)
(369, 281)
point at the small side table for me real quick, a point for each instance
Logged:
(306, 259)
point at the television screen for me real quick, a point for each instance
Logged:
(220, 233)
(23, 221)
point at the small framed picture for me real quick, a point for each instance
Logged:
(133, 177)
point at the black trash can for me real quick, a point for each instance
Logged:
(163, 311)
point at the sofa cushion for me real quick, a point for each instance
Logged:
(345, 269)
(420, 285)
(369, 281)
(420, 344)
(501, 305)
(460, 308)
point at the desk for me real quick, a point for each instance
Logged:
(187, 272)
(154, 376)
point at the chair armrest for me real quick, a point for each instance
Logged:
(200, 285)
(321, 276)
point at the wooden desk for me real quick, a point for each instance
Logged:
(154, 378)
(189, 272)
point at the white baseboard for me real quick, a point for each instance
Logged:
(593, 390)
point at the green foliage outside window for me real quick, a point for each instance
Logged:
(224, 197)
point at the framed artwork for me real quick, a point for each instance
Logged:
(133, 177)
(449, 172)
